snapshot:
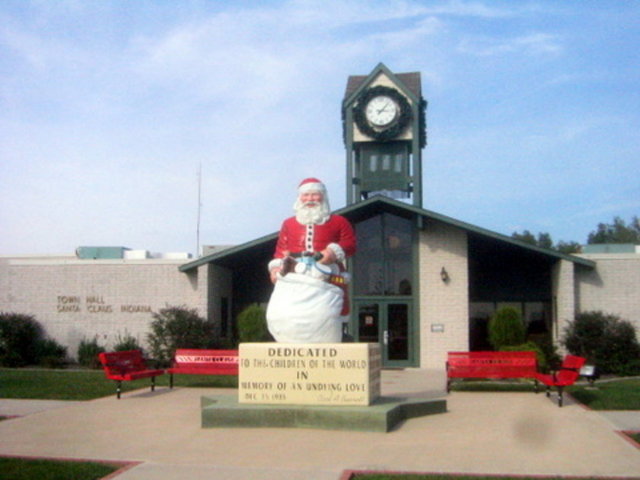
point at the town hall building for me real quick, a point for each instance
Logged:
(423, 284)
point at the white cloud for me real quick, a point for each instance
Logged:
(531, 44)
(106, 112)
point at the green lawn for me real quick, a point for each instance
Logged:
(89, 384)
(29, 469)
(623, 394)
(619, 394)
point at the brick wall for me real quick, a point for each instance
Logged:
(444, 306)
(77, 299)
(613, 287)
(563, 291)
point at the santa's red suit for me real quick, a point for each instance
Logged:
(336, 233)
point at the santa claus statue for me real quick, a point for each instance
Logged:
(309, 303)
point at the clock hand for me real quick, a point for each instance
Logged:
(384, 108)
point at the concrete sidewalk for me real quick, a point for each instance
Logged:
(488, 433)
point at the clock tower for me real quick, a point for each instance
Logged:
(384, 132)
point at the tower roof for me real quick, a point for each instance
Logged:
(410, 82)
(410, 79)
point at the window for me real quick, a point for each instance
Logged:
(383, 263)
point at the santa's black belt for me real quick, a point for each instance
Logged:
(316, 255)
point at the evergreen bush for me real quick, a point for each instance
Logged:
(19, 336)
(126, 342)
(51, 354)
(604, 340)
(506, 328)
(252, 324)
(23, 342)
(178, 327)
(88, 351)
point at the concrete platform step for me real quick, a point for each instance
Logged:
(382, 416)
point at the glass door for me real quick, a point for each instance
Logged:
(387, 322)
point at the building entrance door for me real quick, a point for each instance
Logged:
(387, 322)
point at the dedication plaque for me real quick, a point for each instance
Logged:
(309, 373)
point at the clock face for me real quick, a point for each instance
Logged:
(381, 111)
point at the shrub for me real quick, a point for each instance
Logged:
(88, 351)
(51, 354)
(19, 337)
(549, 350)
(126, 342)
(23, 342)
(252, 324)
(506, 328)
(178, 327)
(604, 340)
(530, 347)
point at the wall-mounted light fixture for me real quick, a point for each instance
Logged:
(444, 275)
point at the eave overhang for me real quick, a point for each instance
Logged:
(370, 207)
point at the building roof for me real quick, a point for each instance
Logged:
(361, 210)
(410, 81)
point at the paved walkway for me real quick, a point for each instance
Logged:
(490, 433)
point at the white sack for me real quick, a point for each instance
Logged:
(305, 310)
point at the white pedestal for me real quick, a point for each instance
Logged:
(339, 374)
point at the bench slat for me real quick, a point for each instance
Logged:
(203, 362)
(491, 365)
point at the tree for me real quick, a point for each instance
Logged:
(526, 236)
(617, 232)
(568, 247)
(543, 240)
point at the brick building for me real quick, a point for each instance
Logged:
(423, 284)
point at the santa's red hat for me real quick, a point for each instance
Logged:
(311, 184)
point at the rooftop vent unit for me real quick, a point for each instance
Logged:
(100, 253)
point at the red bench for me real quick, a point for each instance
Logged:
(566, 375)
(494, 365)
(203, 362)
(126, 366)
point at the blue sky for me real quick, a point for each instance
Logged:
(107, 109)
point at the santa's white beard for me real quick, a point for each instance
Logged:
(312, 213)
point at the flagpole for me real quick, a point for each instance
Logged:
(199, 209)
